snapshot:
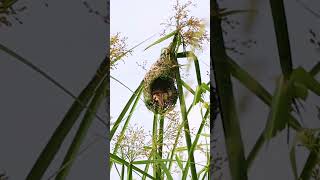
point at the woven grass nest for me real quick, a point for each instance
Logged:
(160, 92)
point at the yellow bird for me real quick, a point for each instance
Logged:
(160, 97)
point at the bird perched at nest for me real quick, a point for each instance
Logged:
(161, 96)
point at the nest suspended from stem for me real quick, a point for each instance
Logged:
(160, 92)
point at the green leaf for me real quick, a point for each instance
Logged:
(195, 143)
(300, 91)
(162, 39)
(190, 54)
(282, 35)
(179, 162)
(197, 95)
(124, 111)
(278, 116)
(122, 161)
(256, 88)
(205, 87)
(185, 120)
(165, 169)
(311, 162)
(249, 82)
(65, 126)
(293, 161)
(205, 135)
(305, 78)
(151, 161)
(126, 123)
(203, 170)
(315, 70)
(82, 131)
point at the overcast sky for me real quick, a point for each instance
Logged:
(69, 43)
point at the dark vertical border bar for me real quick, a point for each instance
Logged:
(108, 90)
(212, 83)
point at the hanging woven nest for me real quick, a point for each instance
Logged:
(160, 92)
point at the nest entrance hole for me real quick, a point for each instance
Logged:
(161, 84)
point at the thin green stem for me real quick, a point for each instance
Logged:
(195, 142)
(129, 175)
(122, 172)
(124, 111)
(154, 144)
(126, 123)
(160, 141)
(186, 124)
(281, 30)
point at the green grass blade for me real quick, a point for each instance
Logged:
(203, 170)
(197, 95)
(124, 111)
(197, 67)
(65, 126)
(122, 171)
(160, 140)
(157, 161)
(247, 80)
(162, 39)
(173, 151)
(122, 161)
(303, 77)
(166, 171)
(190, 54)
(315, 69)
(146, 169)
(281, 30)
(126, 123)
(256, 88)
(154, 144)
(185, 121)
(179, 162)
(278, 116)
(129, 176)
(293, 161)
(82, 131)
(195, 143)
(311, 83)
(232, 133)
(311, 162)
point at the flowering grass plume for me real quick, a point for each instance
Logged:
(191, 28)
(118, 49)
